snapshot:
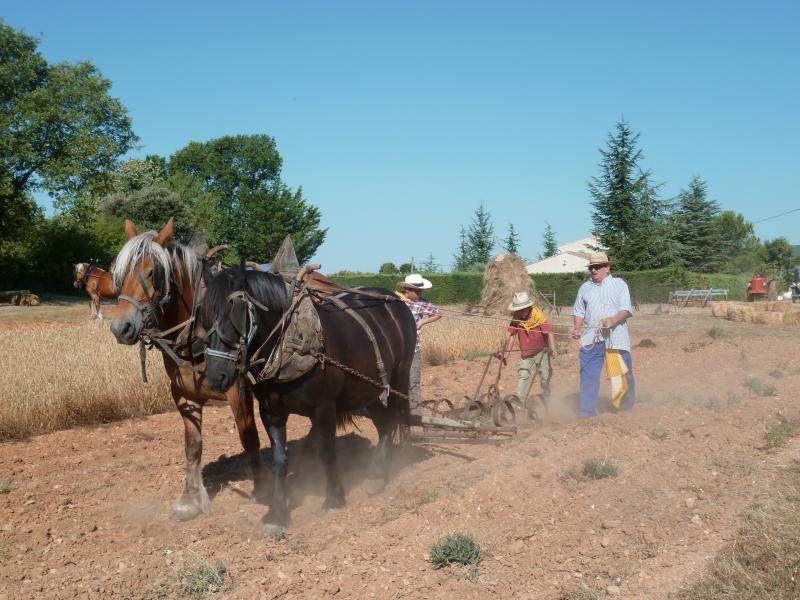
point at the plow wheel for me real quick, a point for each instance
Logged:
(473, 409)
(503, 413)
(514, 400)
(537, 408)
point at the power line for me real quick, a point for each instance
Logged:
(788, 212)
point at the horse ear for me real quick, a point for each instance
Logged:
(130, 229)
(165, 235)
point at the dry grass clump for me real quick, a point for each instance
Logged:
(768, 318)
(59, 377)
(763, 561)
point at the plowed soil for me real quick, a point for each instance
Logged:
(85, 513)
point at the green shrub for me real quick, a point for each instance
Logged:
(780, 432)
(456, 548)
(203, 580)
(755, 385)
(600, 469)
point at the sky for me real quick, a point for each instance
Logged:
(399, 119)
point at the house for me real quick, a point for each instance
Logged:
(569, 258)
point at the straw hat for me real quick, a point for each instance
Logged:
(599, 258)
(519, 301)
(415, 281)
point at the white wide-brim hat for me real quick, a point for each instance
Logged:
(415, 281)
(519, 301)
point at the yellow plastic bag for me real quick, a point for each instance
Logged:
(616, 371)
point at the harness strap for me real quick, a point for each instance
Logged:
(384, 397)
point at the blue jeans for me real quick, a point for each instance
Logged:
(591, 361)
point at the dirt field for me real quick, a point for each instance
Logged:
(85, 512)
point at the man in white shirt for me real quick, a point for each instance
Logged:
(599, 318)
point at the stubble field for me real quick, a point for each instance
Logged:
(705, 467)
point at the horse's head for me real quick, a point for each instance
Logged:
(142, 273)
(79, 271)
(238, 309)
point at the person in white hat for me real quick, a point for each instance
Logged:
(529, 327)
(599, 317)
(424, 312)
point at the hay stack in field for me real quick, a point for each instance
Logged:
(791, 318)
(504, 275)
(782, 307)
(740, 314)
(719, 309)
(768, 318)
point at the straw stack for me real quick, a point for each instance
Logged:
(740, 314)
(783, 307)
(791, 318)
(720, 309)
(768, 318)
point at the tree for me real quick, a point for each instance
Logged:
(480, 237)
(629, 219)
(461, 259)
(151, 207)
(254, 208)
(549, 246)
(138, 173)
(697, 231)
(60, 131)
(429, 266)
(388, 268)
(779, 257)
(404, 268)
(511, 243)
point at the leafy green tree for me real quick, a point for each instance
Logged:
(629, 219)
(138, 173)
(549, 245)
(404, 269)
(511, 243)
(780, 258)
(388, 268)
(697, 231)
(150, 208)
(461, 259)
(480, 236)
(255, 209)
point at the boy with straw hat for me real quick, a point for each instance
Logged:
(530, 328)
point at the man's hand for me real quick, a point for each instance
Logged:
(576, 334)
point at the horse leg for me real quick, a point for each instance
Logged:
(325, 424)
(248, 436)
(378, 474)
(195, 499)
(278, 515)
(94, 303)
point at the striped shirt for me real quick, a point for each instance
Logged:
(598, 301)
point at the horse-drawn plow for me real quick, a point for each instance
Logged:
(484, 417)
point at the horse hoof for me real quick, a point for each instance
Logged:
(332, 506)
(184, 511)
(375, 486)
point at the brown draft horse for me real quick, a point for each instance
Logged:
(97, 282)
(242, 308)
(159, 281)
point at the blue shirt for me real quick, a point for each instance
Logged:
(598, 301)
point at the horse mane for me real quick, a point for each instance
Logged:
(175, 260)
(268, 289)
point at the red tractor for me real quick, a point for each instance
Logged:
(758, 287)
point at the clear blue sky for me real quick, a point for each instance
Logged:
(400, 118)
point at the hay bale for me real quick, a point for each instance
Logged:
(504, 275)
(740, 314)
(757, 306)
(778, 306)
(768, 318)
(719, 309)
(791, 318)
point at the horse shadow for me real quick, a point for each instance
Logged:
(306, 476)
